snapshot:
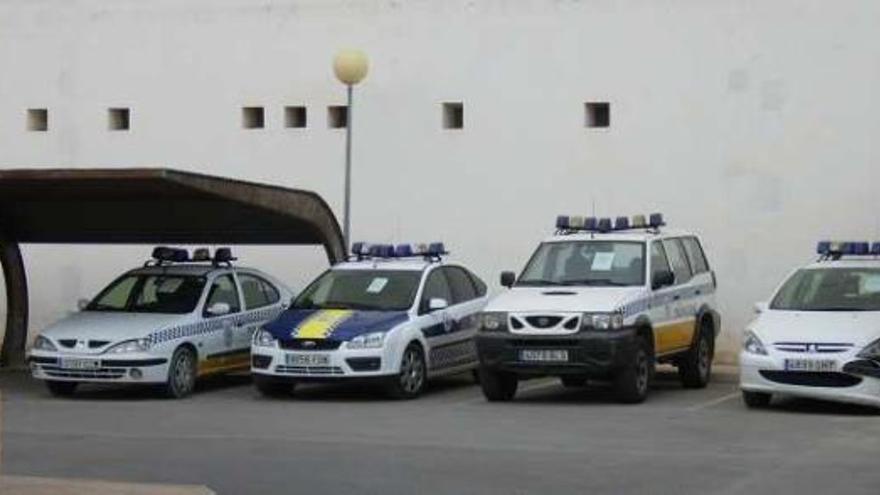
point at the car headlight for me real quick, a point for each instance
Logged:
(264, 338)
(493, 322)
(752, 344)
(602, 321)
(43, 344)
(372, 340)
(871, 351)
(136, 345)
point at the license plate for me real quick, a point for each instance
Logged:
(80, 364)
(543, 356)
(307, 359)
(810, 365)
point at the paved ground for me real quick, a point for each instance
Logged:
(346, 440)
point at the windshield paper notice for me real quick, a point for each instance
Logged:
(602, 262)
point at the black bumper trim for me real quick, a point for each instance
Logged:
(591, 353)
(106, 363)
(863, 367)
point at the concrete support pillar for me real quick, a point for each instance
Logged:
(12, 353)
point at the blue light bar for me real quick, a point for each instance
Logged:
(823, 247)
(621, 223)
(562, 222)
(403, 251)
(358, 248)
(860, 248)
(436, 249)
(875, 248)
(656, 220)
(223, 255)
(604, 225)
(590, 223)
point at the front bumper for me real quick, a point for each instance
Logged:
(853, 383)
(341, 364)
(128, 368)
(592, 353)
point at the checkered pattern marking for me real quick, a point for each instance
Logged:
(214, 324)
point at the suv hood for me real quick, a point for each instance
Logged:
(105, 325)
(859, 328)
(564, 299)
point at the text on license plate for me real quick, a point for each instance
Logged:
(308, 359)
(543, 355)
(810, 365)
(80, 364)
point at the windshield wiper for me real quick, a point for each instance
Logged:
(595, 281)
(538, 281)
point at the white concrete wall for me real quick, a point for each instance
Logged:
(752, 122)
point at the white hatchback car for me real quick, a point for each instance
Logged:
(819, 336)
(396, 315)
(165, 323)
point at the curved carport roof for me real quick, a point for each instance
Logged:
(145, 206)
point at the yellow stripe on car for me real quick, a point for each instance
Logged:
(321, 324)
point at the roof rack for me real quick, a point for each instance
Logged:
(566, 224)
(431, 251)
(165, 256)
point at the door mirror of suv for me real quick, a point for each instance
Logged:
(508, 279)
(219, 309)
(437, 304)
(82, 304)
(662, 278)
(760, 307)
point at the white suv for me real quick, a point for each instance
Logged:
(603, 300)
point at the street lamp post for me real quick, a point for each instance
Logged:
(350, 67)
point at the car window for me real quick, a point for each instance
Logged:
(223, 290)
(678, 260)
(695, 255)
(436, 287)
(149, 293)
(370, 290)
(257, 291)
(830, 289)
(586, 263)
(461, 284)
(659, 262)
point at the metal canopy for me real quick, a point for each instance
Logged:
(145, 206)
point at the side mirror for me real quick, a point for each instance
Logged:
(437, 304)
(219, 309)
(82, 304)
(760, 307)
(661, 279)
(508, 279)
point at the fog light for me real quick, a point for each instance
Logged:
(136, 373)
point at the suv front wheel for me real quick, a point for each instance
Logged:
(631, 385)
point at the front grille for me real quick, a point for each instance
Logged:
(261, 362)
(812, 347)
(543, 321)
(94, 344)
(69, 343)
(811, 378)
(101, 373)
(310, 370)
(310, 345)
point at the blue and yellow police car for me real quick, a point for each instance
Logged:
(397, 314)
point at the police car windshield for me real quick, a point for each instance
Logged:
(377, 290)
(170, 294)
(588, 263)
(830, 289)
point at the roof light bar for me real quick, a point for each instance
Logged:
(365, 250)
(836, 249)
(570, 223)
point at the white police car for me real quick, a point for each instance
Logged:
(400, 315)
(165, 323)
(602, 300)
(819, 336)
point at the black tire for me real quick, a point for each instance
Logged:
(498, 386)
(573, 381)
(756, 400)
(182, 374)
(632, 384)
(410, 382)
(61, 389)
(695, 367)
(273, 387)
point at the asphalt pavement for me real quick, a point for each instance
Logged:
(349, 439)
